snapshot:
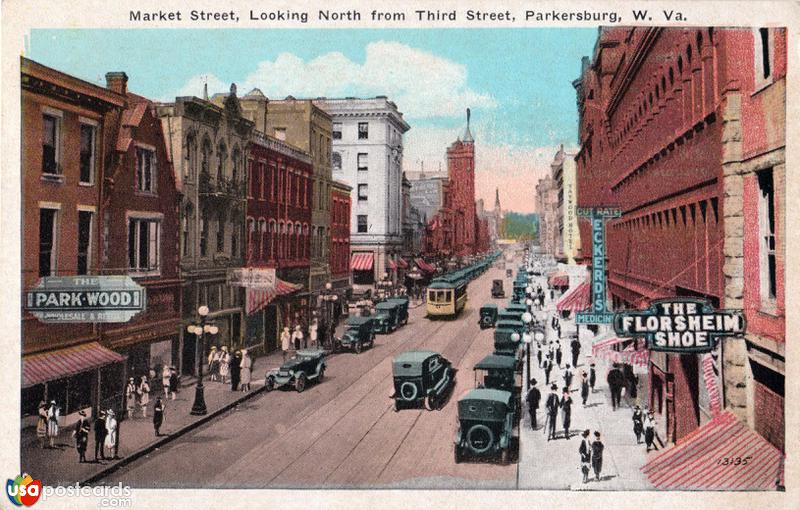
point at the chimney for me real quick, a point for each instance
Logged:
(117, 82)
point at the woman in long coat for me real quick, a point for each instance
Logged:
(566, 411)
(246, 366)
(235, 366)
(584, 386)
(158, 415)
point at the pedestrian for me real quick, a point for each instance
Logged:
(41, 424)
(597, 455)
(99, 435)
(566, 411)
(144, 395)
(553, 322)
(568, 378)
(533, 397)
(551, 405)
(165, 373)
(81, 435)
(592, 376)
(615, 383)
(286, 339)
(158, 415)
(213, 363)
(650, 431)
(173, 382)
(314, 334)
(246, 366)
(539, 353)
(236, 370)
(548, 366)
(575, 347)
(585, 450)
(53, 414)
(638, 423)
(111, 433)
(297, 337)
(224, 364)
(558, 353)
(552, 294)
(130, 398)
(584, 387)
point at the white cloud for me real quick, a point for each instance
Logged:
(423, 85)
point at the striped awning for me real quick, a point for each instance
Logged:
(49, 366)
(257, 299)
(401, 263)
(710, 378)
(558, 280)
(576, 300)
(724, 454)
(390, 265)
(362, 261)
(630, 355)
(424, 266)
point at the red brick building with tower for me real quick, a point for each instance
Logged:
(684, 129)
(461, 177)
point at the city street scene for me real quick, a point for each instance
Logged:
(411, 259)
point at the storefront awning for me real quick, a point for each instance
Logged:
(49, 366)
(576, 300)
(558, 280)
(402, 264)
(706, 459)
(362, 261)
(390, 265)
(630, 355)
(257, 299)
(424, 266)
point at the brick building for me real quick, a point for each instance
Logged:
(64, 133)
(278, 222)
(340, 235)
(684, 130)
(461, 178)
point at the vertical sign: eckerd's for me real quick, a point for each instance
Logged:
(598, 313)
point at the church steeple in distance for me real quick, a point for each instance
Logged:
(467, 138)
(497, 199)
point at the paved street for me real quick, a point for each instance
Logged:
(344, 431)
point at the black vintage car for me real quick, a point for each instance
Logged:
(421, 376)
(487, 426)
(306, 365)
(498, 372)
(497, 289)
(488, 316)
(359, 332)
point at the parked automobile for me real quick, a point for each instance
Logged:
(306, 365)
(402, 312)
(518, 295)
(386, 316)
(497, 289)
(487, 426)
(517, 307)
(488, 316)
(421, 376)
(359, 332)
(504, 343)
(498, 372)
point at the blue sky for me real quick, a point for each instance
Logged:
(516, 81)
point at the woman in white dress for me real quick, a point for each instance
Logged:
(224, 364)
(165, 373)
(111, 432)
(144, 395)
(53, 413)
(312, 333)
(246, 365)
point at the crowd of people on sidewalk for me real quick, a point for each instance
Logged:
(105, 431)
(237, 366)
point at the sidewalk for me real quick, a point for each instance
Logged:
(60, 466)
(555, 464)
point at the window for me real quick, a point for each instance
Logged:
(206, 157)
(50, 144)
(362, 223)
(362, 161)
(221, 232)
(363, 130)
(337, 162)
(337, 130)
(185, 230)
(84, 241)
(362, 192)
(47, 241)
(221, 156)
(235, 241)
(766, 226)
(87, 153)
(191, 157)
(235, 166)
(143, 237)
(204, 235)
(762, 54)
(145, 170)
(280, 133)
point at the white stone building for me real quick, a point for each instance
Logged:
(368, 155)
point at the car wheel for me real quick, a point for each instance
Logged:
(269, 384)
(321, 375)
(300, 383)
(430, 403)
(408, 391)
(357, 347)
(480, 438)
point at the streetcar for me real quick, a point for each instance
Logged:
(447, 296)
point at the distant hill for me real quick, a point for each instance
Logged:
(523, 227)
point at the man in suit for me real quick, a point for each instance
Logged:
(597, 455)
(99, 435)
(548, 366)
(615, 382)
(533, 397)
(81, 435)
(552, 406)
(585, 450)
(575, 346)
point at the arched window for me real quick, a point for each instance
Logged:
(664, 84)
(262, 238)
(222, 155)
(290, 239)
(689, 56)
(298, 235)
(271, 250)
(235, 163)
(191, 157)
(699, 42)
(671, 76)
(205, 158)
(680, 65)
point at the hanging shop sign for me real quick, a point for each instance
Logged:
(59, 299)
(598, 313)
(680, 325)
(252, 277)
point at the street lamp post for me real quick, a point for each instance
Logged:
(329, 298)
(526, 319)
(200, 330)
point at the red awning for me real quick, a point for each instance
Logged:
(576, 300)
(49, 366)
(706, 459)
(630, 355)
(362, 261)
(259, 298)
(558, 280)
(391, 265)
(401, 263)
(424, 266)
